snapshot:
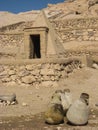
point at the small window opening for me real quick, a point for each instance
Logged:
(35, 46)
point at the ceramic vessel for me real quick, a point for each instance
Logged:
(78, 113)
(54, 114)
(56, 97)
(66, 99)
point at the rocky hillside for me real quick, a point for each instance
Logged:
(66, 9)
(73, 9)
(7, 18)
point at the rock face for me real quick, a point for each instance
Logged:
(60, 10)
(72, 8)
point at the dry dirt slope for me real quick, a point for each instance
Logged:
(82, 80)
(32, 100)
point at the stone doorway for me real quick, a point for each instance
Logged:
(35, 46)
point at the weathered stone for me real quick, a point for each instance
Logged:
(57, 67)
(29, 67)
(6, 67)
(47, 66)
(11, 83)
(96, 38)
(28, 79)
(95, 66)
(23, 73)
(52, 78)
(11, 72)
(68, 69)
(39, 66)
(43, 72)
(6, 80)
(47, 72)
(56, 78)
(57, 73)
(4, 73)
(35, 72)
(92, 38)
(13, 77)
(46, 78)
(21, 68)
(50, 72)
(1, 69)
(47, 83)
(64, 74)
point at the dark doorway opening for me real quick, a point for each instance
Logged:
(35, 46)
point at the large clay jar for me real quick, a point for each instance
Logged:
(66, 99)
(54, 114)
(55, 99)
(78, 113)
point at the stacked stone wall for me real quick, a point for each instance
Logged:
(46, 73)
(10, 45)
(83, 29)
(69, 53)
(16, 27)
(79, 35)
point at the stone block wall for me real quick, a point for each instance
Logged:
(11, 45)
(80, 35)
(83, 29)
(69, 53)
(46, 74)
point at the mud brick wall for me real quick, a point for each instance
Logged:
(45, 74)
(11, 45)
(83, 29)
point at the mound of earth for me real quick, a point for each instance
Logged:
(32, 101)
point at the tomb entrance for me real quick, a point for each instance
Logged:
(35, 42)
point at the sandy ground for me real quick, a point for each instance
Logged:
(32, 100)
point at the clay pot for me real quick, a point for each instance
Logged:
(66, 99)
(55, 99)
(78, 113)
(85, 96)
(54, 114)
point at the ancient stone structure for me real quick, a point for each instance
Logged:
(38, 72)
(30, 51)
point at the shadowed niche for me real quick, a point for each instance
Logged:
(35, 46)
